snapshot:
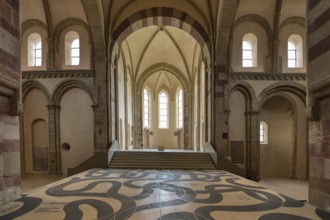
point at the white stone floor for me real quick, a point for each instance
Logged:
(297, 189)
(33, 181)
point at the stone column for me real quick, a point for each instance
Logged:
(55, 166)
(10, 101)
(50, 57)
(220, 136)
(198, 130)
(188, 122)
(138, 120)
(252, 145)
(295, 146)
(126, 109)
(276, 66)
(100, 112)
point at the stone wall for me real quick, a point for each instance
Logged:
(9, 101)
(319, 102)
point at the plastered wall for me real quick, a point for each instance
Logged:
(35, 108)
(276, 156)
(77, 126)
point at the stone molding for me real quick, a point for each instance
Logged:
(57, 74)
(269, 76)
(320, 88)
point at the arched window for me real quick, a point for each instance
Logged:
(263, 133)
(34, 50)
(295, 51)
(179, 100)
(249, 50)
(72, 48)
(146, 109)
(163, 110)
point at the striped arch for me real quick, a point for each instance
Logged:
(162, 16)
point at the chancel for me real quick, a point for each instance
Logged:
(164, 109)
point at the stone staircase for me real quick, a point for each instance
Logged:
(162, 160)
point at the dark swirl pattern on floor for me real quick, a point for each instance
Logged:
(156, 194)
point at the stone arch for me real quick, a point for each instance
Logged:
(40, 144)
(66, 85)
(27, 86)
(163, 66)
(257, 19)
(248, 92)
(29, 28)
(250, 111)
(32, 23)
(254, 18)
(148, 87)
(169, 93)
(281, 94)
(291, 87)
(293, 20)
(161, 16)
(69, 22)
(288, 94)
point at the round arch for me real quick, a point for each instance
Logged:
(293, 20)
(160, 16)
(257, 19)
(294, 145)
(63, 87)
(32, 23)
(248, 92)
(291, 87)
(27, 86)
(70, 22)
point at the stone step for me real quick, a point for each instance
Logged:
(162, 160)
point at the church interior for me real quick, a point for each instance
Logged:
(164, 109)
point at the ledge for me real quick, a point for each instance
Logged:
(57, 74)
(269, 76)
(320, 88)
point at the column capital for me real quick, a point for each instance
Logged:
(55, 107)
(252, 112)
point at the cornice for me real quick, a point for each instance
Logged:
(57, 74)
(269, 76)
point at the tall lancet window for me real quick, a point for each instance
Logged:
(146, 109)
(163, 110)
(179, 99)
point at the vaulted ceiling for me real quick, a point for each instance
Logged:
(154, 45)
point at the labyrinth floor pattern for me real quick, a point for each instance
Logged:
(157, 194)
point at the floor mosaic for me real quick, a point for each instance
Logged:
(157, 194)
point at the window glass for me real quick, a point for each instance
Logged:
(146, 109)
(180, 109)
(163, 110)
(34, 50)
(249, 50)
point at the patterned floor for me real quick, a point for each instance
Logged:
(154, 194)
